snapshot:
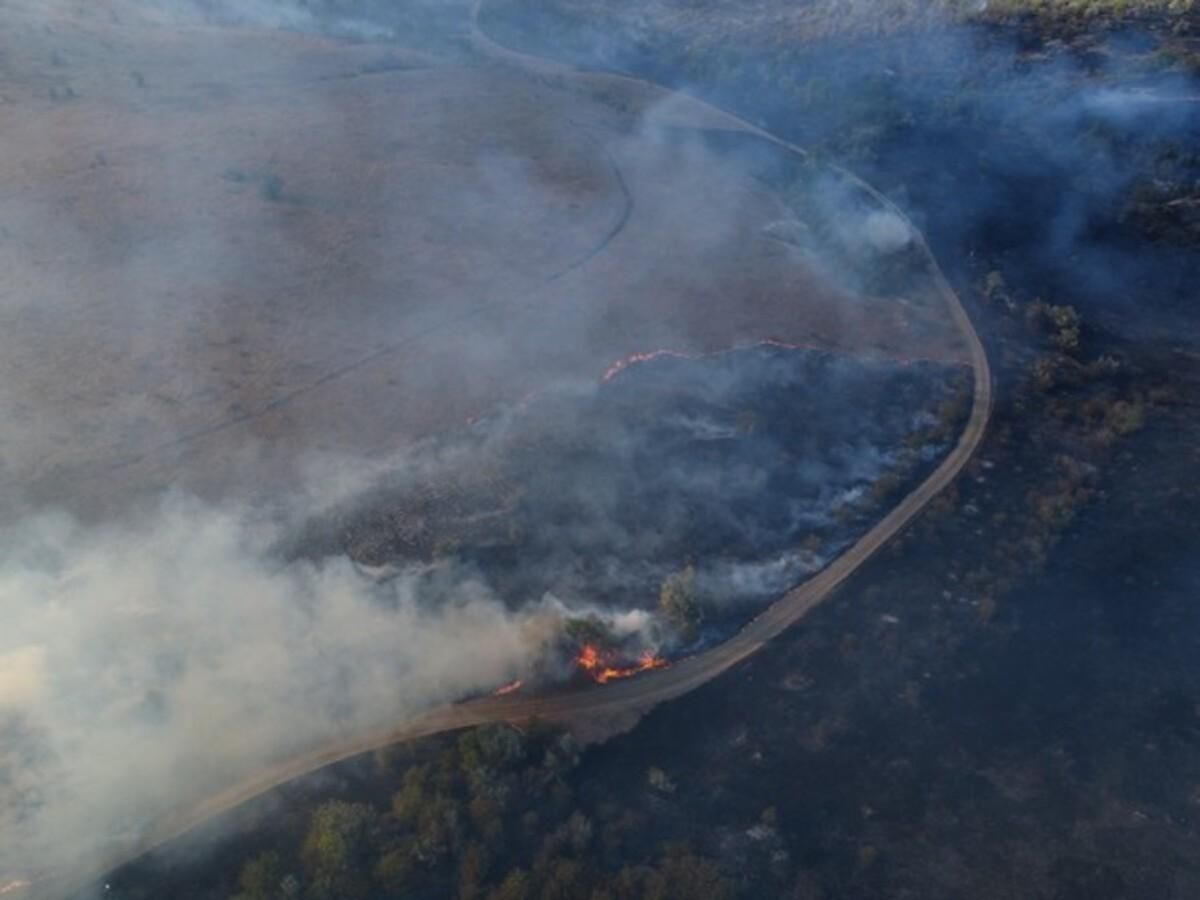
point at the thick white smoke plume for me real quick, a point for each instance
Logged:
(144, 665)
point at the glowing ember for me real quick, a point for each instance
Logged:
(594, 663)
(511, 688)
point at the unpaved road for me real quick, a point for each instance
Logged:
(630, 698)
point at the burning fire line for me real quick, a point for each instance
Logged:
(511, 688)
(13, 886)
(634, 358)
(598, 667)
(666, 353)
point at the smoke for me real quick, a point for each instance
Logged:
(885, 232)
(145, 664)
(250, 275)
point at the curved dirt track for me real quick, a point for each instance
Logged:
(629, 698)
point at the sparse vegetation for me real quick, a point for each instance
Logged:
(1061, 322)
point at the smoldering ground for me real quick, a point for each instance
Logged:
(206, 225)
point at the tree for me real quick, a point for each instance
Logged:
(589, 630)
(337, 850)
(260, 878)
(397, 869)
(408, 801)
(439, 831)
(490, 748)
(677, 604)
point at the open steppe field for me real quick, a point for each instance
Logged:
(226, 250)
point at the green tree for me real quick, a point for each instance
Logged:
(490, 748)
(589, 630)
(397, 869)
(337, 851)
(439, 830)
(677, 604)
(408, 801)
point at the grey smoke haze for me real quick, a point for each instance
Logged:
(1001, 139)
(156, 650)
(181, 284)
(147, 663)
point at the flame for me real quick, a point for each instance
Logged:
(634, 358)
(511, 688)
(13, 886)
(596, 665)
(589, 658)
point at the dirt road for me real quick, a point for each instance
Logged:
(631, 697)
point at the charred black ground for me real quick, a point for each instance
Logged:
(752, 467)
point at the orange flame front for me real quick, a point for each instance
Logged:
(511, 688)
(13, 886)
(602, 672)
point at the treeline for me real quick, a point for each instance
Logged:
(492, 815)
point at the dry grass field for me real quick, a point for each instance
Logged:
(227, 250)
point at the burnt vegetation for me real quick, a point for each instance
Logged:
(698, 487)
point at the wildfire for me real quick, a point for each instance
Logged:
(511, 688)
(602, 671)
(13, 886)
(633, 359)
(622, 364)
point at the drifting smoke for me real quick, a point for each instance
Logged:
(157, 642)
(155, 646)
(145, 664)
